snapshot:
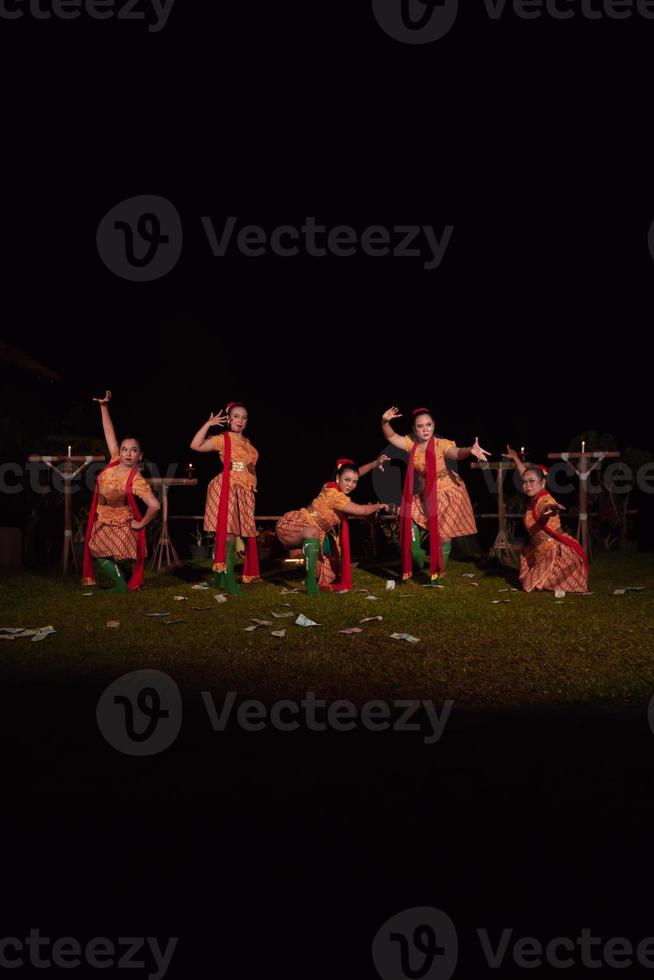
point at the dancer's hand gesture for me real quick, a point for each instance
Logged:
(478, 452)
(221, 418)
(512, 454)
(105, 400)
(391, 413)
(551, 510)
(381, 460)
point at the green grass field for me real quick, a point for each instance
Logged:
(480, 654)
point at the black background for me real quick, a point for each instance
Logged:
(532, 139)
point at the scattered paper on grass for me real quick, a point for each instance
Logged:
(249, 629)
(497, 602)
(220, 598)
(114, 624)
(390, 583)
(303, 620)
(372, 619)
(276, 615)
(180, 598)
(468, 574)
(288, 591)
(280, 633)
(634, 588)
(405, 636)
(432, 585)
(559, 594)
(619, 591)
(89, 593)
(158, 614)
(476, 584)
(201, 585)
(403, 595)
(361, 590)
(351, 629)
(42, 633)
(11, 629)
(559, 602)
(371, 598)
(262, 622)
(169, 622)
(199, 608)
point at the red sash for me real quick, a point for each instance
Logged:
(136, 581)
(436, 565)
(251, 563)
(541, 525)
(345, 572)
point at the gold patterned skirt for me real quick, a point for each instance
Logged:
(551, 565)
(455, 516)
(240, 511)
(112, 535)
(290, 525)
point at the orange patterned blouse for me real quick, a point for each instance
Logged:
(244, 460)
(420, 461)
(112, 498)
(325, 508)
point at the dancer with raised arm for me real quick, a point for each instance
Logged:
(553, 560)
(442, 505)
(115, 533)
(230, 496)
(309, 527)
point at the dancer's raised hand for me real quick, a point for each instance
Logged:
(478, 452)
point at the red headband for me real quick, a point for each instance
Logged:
(231, 405)
(341, 462)
(421, 411)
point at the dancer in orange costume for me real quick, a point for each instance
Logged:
(442, 505)
(308, 528)
(230, 496)
(115, 533)
(553, 560)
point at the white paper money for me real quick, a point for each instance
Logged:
(372, 619)
(303, 620)
(280, 633)
(284, 615)
(390, 583)
(351, 629)
(220, 598)
(405, 636)
(559, 594)
(180, 598)
(114, 624)
(201, 585)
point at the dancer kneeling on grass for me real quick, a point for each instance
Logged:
(553, 560)
(230, 496)
(442, 505)
(309, 528)
(115, 534)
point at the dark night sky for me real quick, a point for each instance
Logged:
(531, 329)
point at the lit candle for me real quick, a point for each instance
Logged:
(522, 449)
(583, 445)
(69, 451)
(190, 471)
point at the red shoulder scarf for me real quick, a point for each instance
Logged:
(251, 564)
(541, 525)
(345, 576)
(436, 565)
(136, 581)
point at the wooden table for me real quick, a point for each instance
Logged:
(502, 547)
(165, 549)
